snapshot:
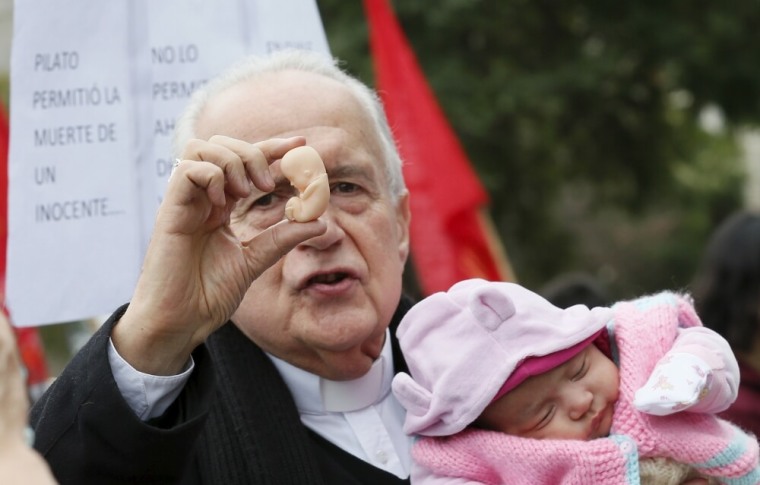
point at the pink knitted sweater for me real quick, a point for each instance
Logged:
(641, 332)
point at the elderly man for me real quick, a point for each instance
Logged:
(254, 350)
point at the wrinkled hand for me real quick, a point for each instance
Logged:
(196, 271)
(677, 382)
(13, 400)
(18, 462)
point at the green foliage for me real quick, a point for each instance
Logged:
(589, 107)
(4, 90)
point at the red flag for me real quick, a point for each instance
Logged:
(451, 237)
(28, 339)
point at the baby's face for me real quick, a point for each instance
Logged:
(573, 401)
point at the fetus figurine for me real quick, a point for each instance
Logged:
(304, 168)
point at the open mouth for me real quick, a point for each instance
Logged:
(327, 279)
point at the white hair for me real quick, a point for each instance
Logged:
(301, 60)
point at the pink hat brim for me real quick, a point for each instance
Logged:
(533, 366)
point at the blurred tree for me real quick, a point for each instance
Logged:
(582, 119)
(4, 88)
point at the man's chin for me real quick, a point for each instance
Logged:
(344, 356)
(344, 366)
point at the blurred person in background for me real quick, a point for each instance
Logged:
(726, 290)
(19, 463)
(576, 288)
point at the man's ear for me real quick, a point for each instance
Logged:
(403, 219)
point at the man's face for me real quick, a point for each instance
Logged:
(324, 306)
(572, 401)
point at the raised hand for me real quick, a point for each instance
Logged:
(196, 270)
(677, 382)
(19, 463)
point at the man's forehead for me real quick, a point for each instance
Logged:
(274, 104)
(287, 87)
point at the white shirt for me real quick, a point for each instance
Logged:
(360, 416)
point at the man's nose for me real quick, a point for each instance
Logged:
(331, 237)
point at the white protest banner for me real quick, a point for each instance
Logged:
(72, 211)
(183, 55)
(284, 24)
(95, 91)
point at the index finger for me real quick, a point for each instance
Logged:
(257, 157)
(271, 150)
(264, 249)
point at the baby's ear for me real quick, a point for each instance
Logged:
(491, 306)
(415, 398)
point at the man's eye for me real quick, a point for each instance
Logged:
(345, 187)
(264, 201)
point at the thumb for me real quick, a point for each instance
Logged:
(267, 247)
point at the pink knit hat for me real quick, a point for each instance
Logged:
(463, 346)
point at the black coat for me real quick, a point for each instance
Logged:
(235, 422)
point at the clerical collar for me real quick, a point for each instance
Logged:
(314, 394)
